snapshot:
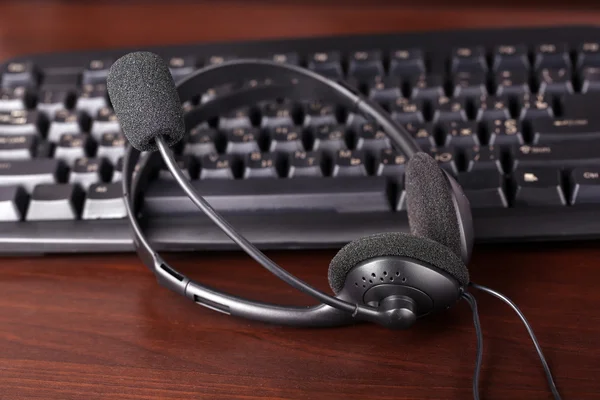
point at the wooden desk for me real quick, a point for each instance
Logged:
(98, 326)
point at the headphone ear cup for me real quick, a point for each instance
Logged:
(432, 205)
(394, 244)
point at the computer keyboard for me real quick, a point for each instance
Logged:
(513, 114)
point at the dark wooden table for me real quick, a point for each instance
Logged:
(98, 326)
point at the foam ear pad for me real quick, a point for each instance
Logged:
(394, 244)
(431, 210)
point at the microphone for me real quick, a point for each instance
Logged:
(145, 100)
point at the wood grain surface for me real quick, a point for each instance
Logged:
(99, 327)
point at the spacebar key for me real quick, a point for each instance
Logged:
(352, 194)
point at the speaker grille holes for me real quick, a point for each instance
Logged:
(397, 273)
(364, 285)
(373, 274)
(356, 284)
(384, 273)
(364, 280)
(370, 281)
(392, 278)
(381, 279)
(403, 279)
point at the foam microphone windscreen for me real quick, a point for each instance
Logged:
(145, 100)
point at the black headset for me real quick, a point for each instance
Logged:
(391, 279)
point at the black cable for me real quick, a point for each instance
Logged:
(473, 304)
(531, 334)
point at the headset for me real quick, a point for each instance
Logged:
(392, 279)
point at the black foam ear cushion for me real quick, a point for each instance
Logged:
(431, 210)
(394, 244)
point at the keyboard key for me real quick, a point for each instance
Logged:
(20, 73)
(285, 58)
(317, 113)
(187, 164)
(588, 54)
(423, 133)
(484, 188)
(511, 82)
(326, 63)
(365, 63)
(73, 146)
(469, 83)
(426, 86)
(585, 186)
(285, 139)
(219, 59)
(329, 138)
(349, 163)
(19, 122)
(87, 171)
(216, 92)
(407, 111)
(277, 114)
(111, 146)
(13, 203)
(535, 106)
(240, 118)
(14, 147)
(305, 164)
(384, 89)
(469, 59)
(538, 187)
(446, 109)
(504, 132)
(590, 79)
(104, 201)
(563, 129)
(391, 164)
(552, 55)
(52, 100)
(483, 158)
(92, 98)
(554, 81)
(491, 107)
(201, 141)
(216, 166)
(58, 80)
(578, 106)
(342, 195)
(559, 155)
(180, 67)
(511, 57)
(64, 121)
(459, 133)
(260, 165)
(407, 62)
(118, 170)
(51, 202)
(106, 121)
(372, 139)
(14, 98)
(445, 159)
(97, 71)
(242, 140)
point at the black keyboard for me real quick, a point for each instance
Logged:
(513, 114)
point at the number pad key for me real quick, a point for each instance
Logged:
(260, 165)
(459, 133)
(201, 141)
(242, 141)
(277, 114)
(446, 109)
(504, 132)
(87, 171)
(13, 98)
(535, 106)
(423, 133)
(305, 164)
(106, 121)
(588, 54)
(349, 163)
(470, 83)
(483, 157)
(511, 82)
(384, 89)
(92, 98)
(590, 79)
(97, 71)
(445, 158)
(407, 111)
(239, 118)
(73, 146)
(365, 63)
(51, 101)
(216, 166)
(19, 122)
(426, 86)
(285, 139)
(19, 147)
(329, 138)
(318, 113)
(20, 73)
(407, 62)
(327, 63)
(371, 138)
(552, 55)
(55, 202)
(554, 81)
(491, 107)
(285, 58)
(469, 59)
(391, 164)
(111, 146)
(511, 57)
